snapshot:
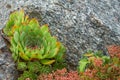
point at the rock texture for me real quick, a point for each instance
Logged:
(80, 24)
(7, 66)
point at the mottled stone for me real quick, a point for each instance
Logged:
(2, 43)
(80, 24)
(7, 66)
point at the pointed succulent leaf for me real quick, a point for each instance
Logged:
(47, 62)
(13, 43)
(88, 54)
(41, 51)
(59, 56)
(44, 28)
(35, 55)
(16, 36)
(20, 48)
(33, 23)
(14, 56)
(52, 53)
(24, 56)
(27, 52)
(13, 29)
(26, 19)
(106, 59)
(22, 36)
(82, 64)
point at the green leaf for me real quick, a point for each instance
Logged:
(33, 23)
(20, 48)
(14, 56)
(44, 30)
(35, 56)
(59, 56)
(16, 36)
(13, 43)
(47, 62)
(22, 36)
(82, 64)
(53, 53)
(106, 59)
(88, 54)
(24, 56)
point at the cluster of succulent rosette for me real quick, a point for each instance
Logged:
(29, 41)
(32, 43)
(36, 52)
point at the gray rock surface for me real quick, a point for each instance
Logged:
(7, 66)
(2, 43)
(80, 24)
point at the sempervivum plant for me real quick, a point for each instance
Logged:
(31, 42)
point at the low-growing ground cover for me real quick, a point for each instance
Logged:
(40, 56)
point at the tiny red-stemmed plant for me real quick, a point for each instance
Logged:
(60, 75)
(102, 67)
(114, 50)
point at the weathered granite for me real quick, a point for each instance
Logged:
(7, 66)
(80, 24)
(2, 43)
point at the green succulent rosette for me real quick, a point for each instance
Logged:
(31, 42)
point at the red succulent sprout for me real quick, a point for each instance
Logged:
(114, 50)
(98, 62)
